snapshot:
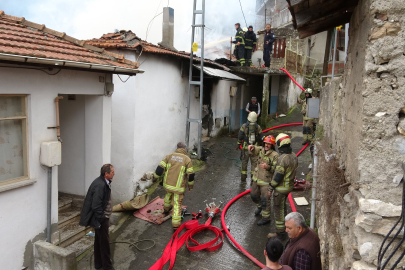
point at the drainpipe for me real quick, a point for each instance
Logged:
(334, 54)
(57, 118)
(49, 206)
(314, 176)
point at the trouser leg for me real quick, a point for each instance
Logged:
(102, 254)
(253, 164)
(255, 194)
(168, 201)
(177, 205)
(248, 57)
(266, 57)
(265, 202)
(308, 129)
(241, 52)
(245, 161)
(279, 200)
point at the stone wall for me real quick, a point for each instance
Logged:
(362, 123)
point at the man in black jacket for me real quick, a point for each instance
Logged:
(250, 45)
(269, 39)
(96, 212)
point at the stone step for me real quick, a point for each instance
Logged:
(64, 202)
(67, 216)
(81, 246)
(70, 233)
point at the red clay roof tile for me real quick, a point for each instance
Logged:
(25, 38)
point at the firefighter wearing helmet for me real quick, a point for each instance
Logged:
(308, 124)
(263, 174)
(283, 182)
(249, 134)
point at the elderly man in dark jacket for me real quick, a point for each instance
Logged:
(269, 39)
(96, 212)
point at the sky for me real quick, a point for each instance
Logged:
(86, 19)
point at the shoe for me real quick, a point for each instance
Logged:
(258, 211)
(263, 222)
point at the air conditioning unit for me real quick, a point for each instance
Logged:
(51, 153)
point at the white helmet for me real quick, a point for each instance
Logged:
(245, 29)
(252, 117)
(308, 91)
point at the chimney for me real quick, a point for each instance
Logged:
(168, 29)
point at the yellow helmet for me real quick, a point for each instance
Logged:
(283, 139)
(252, 117)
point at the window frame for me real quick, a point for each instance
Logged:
(25, 180)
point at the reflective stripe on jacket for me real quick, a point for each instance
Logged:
(244, 136)
(177, 168)
(287, 165)
(261, 176)
(239, 37)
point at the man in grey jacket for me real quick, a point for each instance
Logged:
(96, 212)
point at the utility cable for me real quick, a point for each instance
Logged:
(243, 13)
(237, 160)
(134, 244)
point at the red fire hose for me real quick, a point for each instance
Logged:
(288, 74)
(290, 199)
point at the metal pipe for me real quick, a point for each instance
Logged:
(49, 206)
(314, 176)
(346, 39)
(230, 51)
(57, 118)
(201, 78)
(334, 55)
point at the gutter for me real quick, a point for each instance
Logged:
(69, 64)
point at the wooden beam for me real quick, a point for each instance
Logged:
(324, 25)
(327, 52)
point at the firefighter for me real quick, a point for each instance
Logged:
(249, 134)
(263, 174)
(308, 126)
(269, 39)
(250, 45)
(177, 169)
(240, 45)
(283, 182)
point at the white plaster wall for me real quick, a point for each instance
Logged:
(294, 91)
(23, 210)
(148, 119)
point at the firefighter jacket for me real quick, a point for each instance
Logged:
(250, 40)
(270, 37)
(239, 37)
(177, 167)
(264, 176)
(245, 139)
(304, 111)
(284, 173)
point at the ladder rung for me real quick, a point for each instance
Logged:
(198, 12)
(198, 25)
(195, 82)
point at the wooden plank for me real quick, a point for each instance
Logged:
(320, 26)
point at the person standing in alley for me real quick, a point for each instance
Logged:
(308, 124)
(239, 45)
(253, 106)
(96, 212)
(269, 39)
(266, 162)
(177, 169)
(283, 182)
(250, 133)
(272, 253)
(250, 45)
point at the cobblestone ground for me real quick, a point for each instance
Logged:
(219, 181)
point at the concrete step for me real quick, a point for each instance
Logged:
(70, 233)
(81, 246)
(64, 202)
(67, 216)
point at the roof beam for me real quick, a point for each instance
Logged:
(323, 25)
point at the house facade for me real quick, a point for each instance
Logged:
(39, 67)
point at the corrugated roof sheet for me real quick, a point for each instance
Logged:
(220, 73)
(129, 40)
(24, 38)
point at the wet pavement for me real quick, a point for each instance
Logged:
(218, 181)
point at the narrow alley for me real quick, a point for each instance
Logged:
(219, 181)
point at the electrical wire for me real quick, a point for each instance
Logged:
(123, 80)
(242, 12)
(147, 28)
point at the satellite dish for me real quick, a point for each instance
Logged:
(255, 58)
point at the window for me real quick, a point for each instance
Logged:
(13, 138)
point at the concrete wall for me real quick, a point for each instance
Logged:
(23, 215)
(360, 115)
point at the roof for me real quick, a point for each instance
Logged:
(220, 73)
(128, 40)
(314, 16)
(35, 44)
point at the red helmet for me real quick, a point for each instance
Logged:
(270, 139)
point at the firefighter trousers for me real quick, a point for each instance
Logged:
(308, 129)
(248, 57)
(279, 202)
(260, 196)
(241, 55)
(245, 160)
(176, 200)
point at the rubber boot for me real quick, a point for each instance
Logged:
(263, 222)
(258, 211)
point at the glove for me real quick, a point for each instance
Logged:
(238, 147)
(190, 187)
